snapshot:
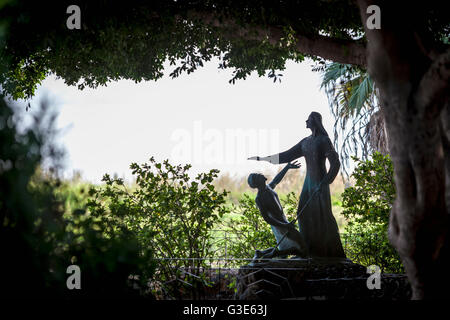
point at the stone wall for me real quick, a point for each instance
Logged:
(315, 279)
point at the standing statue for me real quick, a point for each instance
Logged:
(289, 240)
(315, 218)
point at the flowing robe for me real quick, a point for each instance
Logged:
(317, 223)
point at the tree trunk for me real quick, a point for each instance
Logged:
(377, 133)
(413, 85)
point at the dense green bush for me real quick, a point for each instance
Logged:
(367, 206)
(19, 156)
(170, 213)
(40, 237)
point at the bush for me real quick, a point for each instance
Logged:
(170, 213)
(367, 206)
(40, 238)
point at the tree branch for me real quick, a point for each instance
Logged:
(342, 51)
(433, 87)
(338, 50)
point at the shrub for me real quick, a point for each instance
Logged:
(367, 206)
(40, 238)
(170, 213)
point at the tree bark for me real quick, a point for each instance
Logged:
(414, 94)
(377, 133)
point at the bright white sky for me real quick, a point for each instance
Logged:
(198, 118)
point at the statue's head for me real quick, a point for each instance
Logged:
(314, 122)
(256, 180)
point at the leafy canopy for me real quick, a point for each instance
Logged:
(132, 40)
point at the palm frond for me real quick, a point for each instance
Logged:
(360, 94)
(351, 94)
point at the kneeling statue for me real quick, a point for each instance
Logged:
(289, 239)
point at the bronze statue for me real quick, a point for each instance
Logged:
(289, 240)
(316, 222)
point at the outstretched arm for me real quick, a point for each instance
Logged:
(282, 173)
(293, 153)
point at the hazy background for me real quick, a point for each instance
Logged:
(190, 119)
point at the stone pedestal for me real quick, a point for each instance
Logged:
(314, 279)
